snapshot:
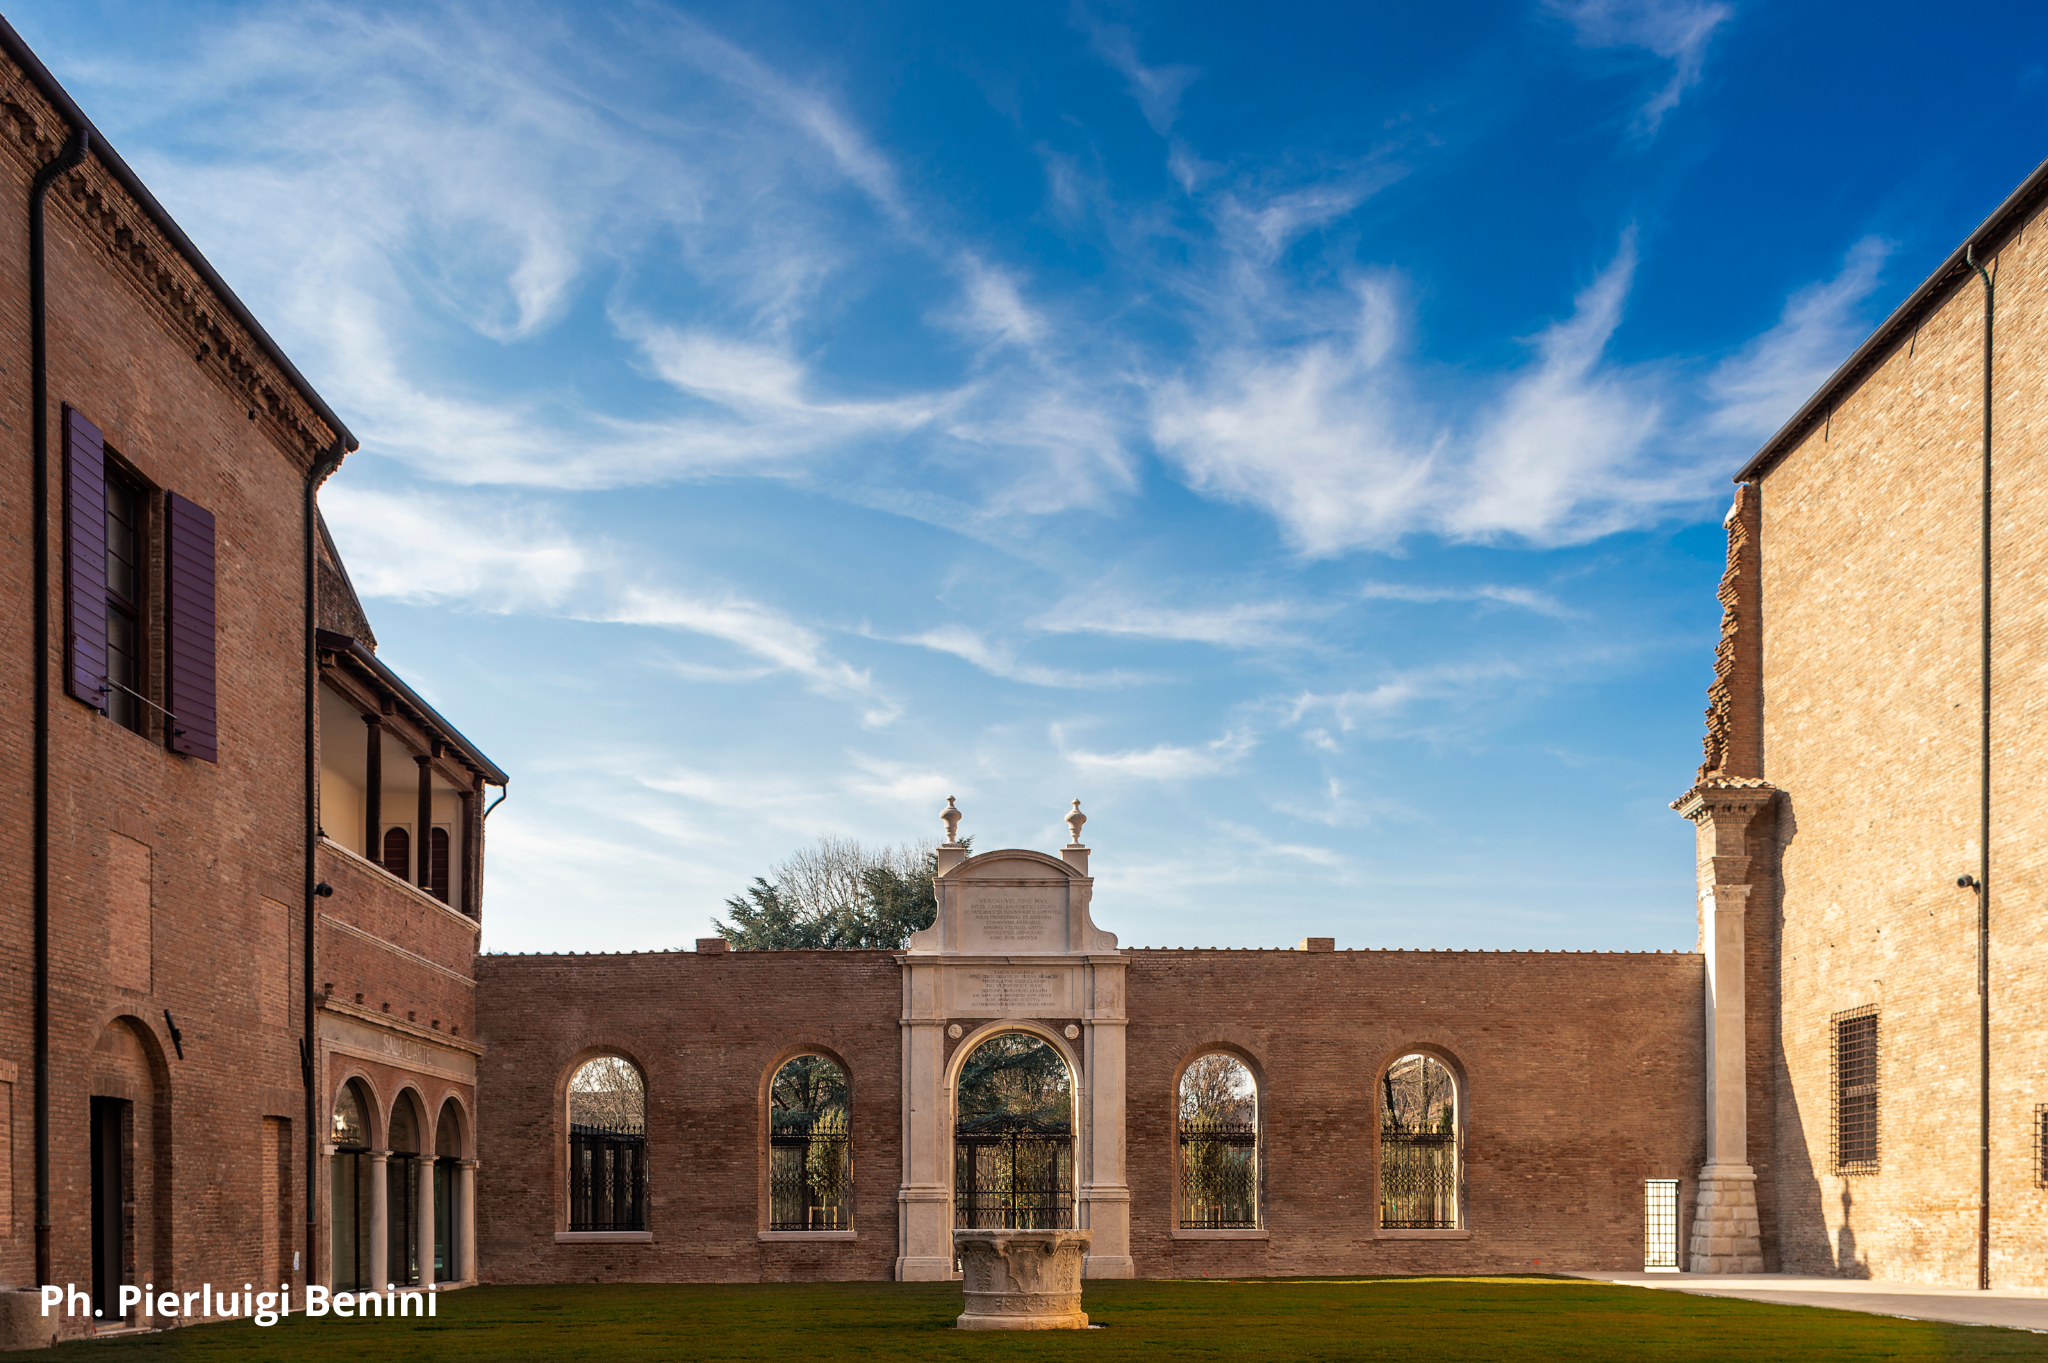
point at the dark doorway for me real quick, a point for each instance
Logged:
(109, 1221)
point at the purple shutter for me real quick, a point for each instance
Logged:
(85, 561)
(188, 617)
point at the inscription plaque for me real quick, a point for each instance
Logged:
(1003, 920)
(1012, 992)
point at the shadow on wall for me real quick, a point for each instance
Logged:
(1846, 1262)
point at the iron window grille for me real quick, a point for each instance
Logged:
(2041, 1146)
(607, 1179)
(1013, 1173)
(1660, 1223)
(1854, 1110)
(1419, 1173)
(1219, 1174)
(810, 1172)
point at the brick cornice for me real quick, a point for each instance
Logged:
(1717, 795)
(170, 288)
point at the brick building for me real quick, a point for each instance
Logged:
(211, 781)
(246, 1035)
(1873, 832)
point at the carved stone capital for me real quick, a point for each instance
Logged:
(1720, 797)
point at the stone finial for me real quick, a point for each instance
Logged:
(1074, 822)
(951, 817)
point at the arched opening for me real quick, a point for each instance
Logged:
(1419, 1145)
(607, 1146)
(350, 1179)
(447, 1180)
(437, 863)
(397, 852)
(127, 1140)
(402, 1194)
(1219, 1145)
(1013, 1137)
(810, 1147)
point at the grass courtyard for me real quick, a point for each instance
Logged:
(1415, 1320)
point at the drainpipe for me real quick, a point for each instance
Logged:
(315, 890)
(1984, 834)
(74, 151)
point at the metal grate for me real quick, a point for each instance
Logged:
(607, 1179)
(1419, 1174)
(1219, 1174)
(1013, 1173)
(810, 1173)
(1660, 1225)
(1855, 1091)
(2041, 1146)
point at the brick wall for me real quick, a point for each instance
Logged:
(1582, 1074)
(1871, 604)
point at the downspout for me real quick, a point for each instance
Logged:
(315, 890)
(1984, 835)
(73, 152)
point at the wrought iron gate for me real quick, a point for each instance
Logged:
(810, 1174)
(1013, 1173)
(607, 1179)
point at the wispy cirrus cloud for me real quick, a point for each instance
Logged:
(1678, 31)
(1758, 388)
(1000, 660)
(1165, 762)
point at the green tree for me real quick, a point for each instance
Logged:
(836, 896)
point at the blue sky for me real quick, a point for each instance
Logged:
(1298, 432)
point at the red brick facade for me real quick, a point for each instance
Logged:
(1580, 1073)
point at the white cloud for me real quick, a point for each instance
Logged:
(1758, 388)
(1676, 30)
(1247, 625)
(1000, 660)
(422, 547)
(1157, 89)
(1164, 761)
(1524, 597)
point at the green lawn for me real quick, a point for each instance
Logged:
(1411, 1320)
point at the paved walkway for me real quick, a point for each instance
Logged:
(2018, 1307)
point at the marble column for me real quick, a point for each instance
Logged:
(380, 1222)
(1726, 1237)
(1104, 1194)
(465, 1223)
(426, 1218)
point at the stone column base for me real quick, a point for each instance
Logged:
(22, 1322)
(1725, 1237)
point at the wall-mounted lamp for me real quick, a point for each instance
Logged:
(323, 889)
(1968, 883)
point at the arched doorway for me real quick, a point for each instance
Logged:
(349, 1170)
(1013, 1137)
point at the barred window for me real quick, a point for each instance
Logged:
(1855, 1091)
(810, 1147)
(1219, 1145)
(1419, 1156)
(607, 1146)
(2041, 1146)
(1660, 1225)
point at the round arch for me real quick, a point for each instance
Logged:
(603, 1148)
(806, 1156)
(1419, 1136)
(996, 1167)
(1219, 1156)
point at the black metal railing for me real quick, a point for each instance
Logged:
(810, 1174)
(1219, 1174)
(1418, 1179)
(607, 1179)
(1013, 1173)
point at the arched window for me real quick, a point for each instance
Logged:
(1219, 1145)
(1419, 1172)
(810, 1147)
(607, 1146)
(447, 1178)
(350, 1136)
(1013, 1139)
(402, 1196)
(397, 852)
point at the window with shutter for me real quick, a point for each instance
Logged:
(85, 561)
(125, 637)
(189, 675)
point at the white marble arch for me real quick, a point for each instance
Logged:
(1013, 949)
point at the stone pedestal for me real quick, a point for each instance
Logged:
(22, 1322)
(1022, 1279)
(1725, 1236)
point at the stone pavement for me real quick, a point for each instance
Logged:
(2017, 1307)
